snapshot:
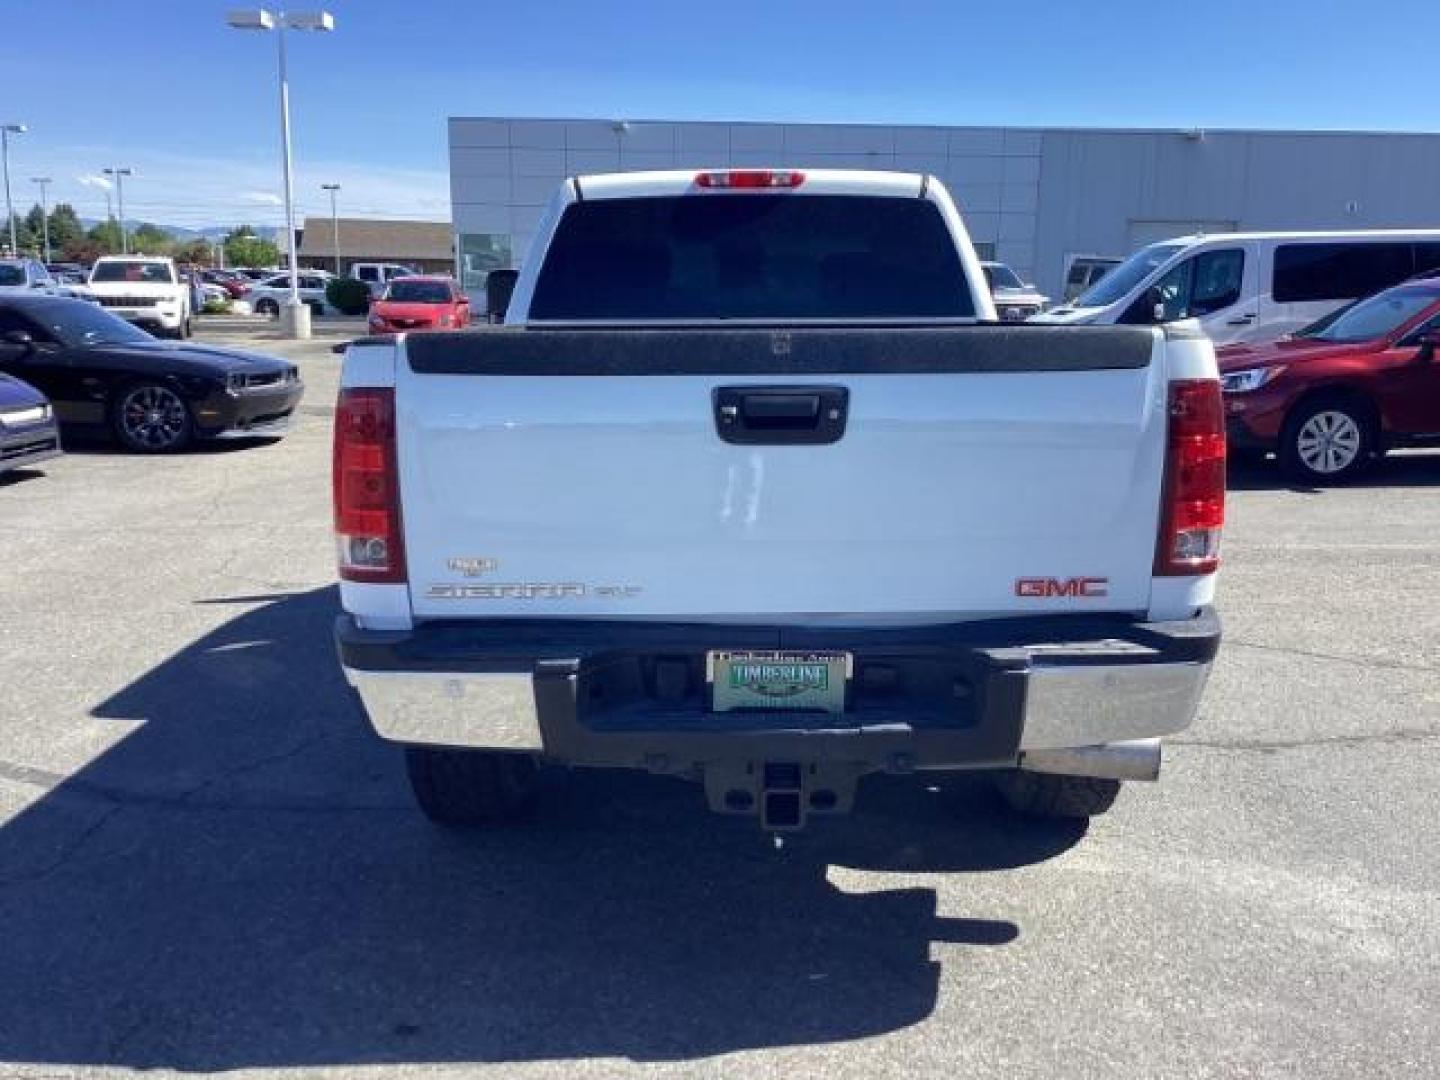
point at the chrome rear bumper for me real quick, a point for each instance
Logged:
(1043, 707)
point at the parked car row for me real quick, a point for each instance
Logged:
(1332, 397)
(1327, 340)
(1246, 287)
(101, 373)
(31, 275)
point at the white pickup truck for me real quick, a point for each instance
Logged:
(755, 490)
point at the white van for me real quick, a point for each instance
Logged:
(1251, 286)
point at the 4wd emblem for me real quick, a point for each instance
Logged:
(473, 567)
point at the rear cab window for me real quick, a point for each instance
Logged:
(687, 257)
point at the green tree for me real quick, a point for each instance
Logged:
(107, 236)
(84, 249)
(197, 251)
(65, 227)
(244, 248)
(25, 240)
(35, 226)
(150, 239)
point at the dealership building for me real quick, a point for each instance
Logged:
(1032, 197)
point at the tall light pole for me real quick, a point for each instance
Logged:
(44, 182)
(333, 189)
(295, 316)
(119, 175)
(6, 130)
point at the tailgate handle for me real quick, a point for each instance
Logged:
(781, 415)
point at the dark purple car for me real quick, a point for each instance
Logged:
(28, 432)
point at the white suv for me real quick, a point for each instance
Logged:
(143, 289)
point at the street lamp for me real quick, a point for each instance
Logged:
(295, 316)
(119, 175)
(334, 222)
(6, 130)
(44, 182)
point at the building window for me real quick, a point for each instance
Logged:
(479, 254)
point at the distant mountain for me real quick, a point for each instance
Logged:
(180, 232)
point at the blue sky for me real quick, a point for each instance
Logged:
(165, 87)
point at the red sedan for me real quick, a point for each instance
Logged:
(420, 303)
(1331, 398)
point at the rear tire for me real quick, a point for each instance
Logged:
(266, 306)
(467, 788)
(1045, 795)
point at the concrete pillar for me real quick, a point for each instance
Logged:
(295, 321)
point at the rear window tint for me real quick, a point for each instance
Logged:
(752, 257)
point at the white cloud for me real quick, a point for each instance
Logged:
(93, 180)
(262, 198)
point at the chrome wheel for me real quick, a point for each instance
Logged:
(1328, 442)
(153, 418)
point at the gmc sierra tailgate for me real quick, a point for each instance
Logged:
(701, 473)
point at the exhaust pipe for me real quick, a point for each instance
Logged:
(1138, 759)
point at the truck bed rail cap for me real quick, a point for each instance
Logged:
(779, 352)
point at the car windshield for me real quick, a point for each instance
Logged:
(419, 292)
(1376, 317)
(1000, 276)
(141, 273)
(10, 274)
(1116, 285)
(77, 324)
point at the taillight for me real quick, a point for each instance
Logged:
(1194, 488)
(750, 178)
(367, 487)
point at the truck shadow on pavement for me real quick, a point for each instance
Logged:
(242, 880)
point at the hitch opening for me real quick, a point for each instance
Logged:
(782, 805)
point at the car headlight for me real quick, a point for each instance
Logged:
(1242, 382)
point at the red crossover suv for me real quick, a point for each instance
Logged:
(1333, 396)
(420, 303)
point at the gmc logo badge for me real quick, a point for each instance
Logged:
(1043, 588)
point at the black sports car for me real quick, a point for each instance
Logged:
(99, 371)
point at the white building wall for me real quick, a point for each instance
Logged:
(502, 172)
(1034, 197)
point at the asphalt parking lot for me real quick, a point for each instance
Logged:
(207, 863)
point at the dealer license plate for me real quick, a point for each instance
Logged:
(778, 680)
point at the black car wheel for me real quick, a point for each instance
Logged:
(266, 306)
(152, 419)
